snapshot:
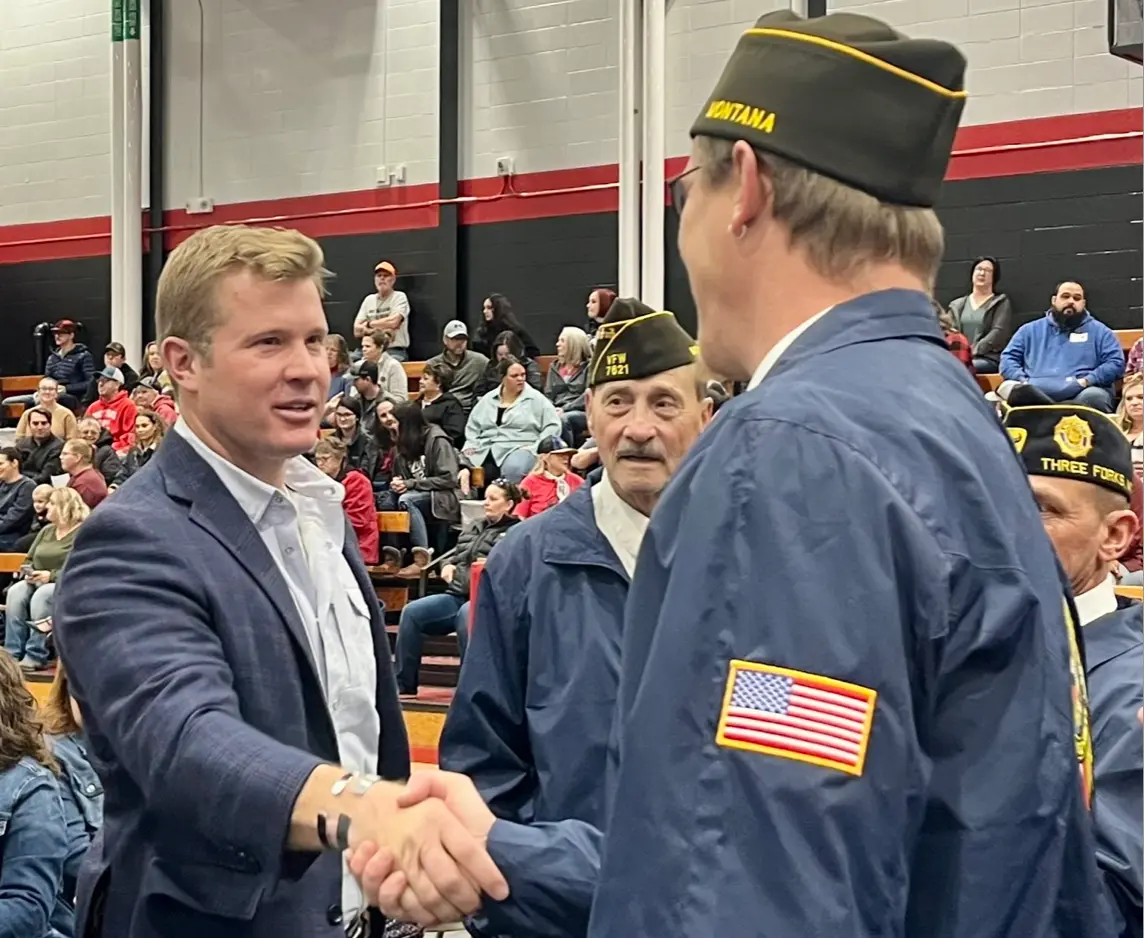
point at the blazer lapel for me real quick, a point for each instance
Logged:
(214, 509)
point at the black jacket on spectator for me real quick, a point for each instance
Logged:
(134, 460)
(475, 543)
(107, 462)
(361, 454)
(441, 470)
(996, 325)
(73, 370)
(40, 461)
(449, 415)
(130, 380)
(16, 511)
(483, 340)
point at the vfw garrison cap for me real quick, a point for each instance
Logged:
(635, 341)
(1072, 442)
(846, 96)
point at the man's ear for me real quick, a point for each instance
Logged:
(589, 397)
(707, 411)
(754, 190)
(1119, 529)
(179, 361)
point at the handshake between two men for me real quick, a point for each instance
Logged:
(418, 850)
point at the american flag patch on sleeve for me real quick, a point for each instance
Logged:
(796, 715)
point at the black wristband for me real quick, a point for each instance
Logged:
(323, 835)
(342, 837)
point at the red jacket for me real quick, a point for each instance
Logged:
(117, 417)
(359, 508)
(540, 493)
(165, 408)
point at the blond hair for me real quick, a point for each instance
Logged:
(186, 305)
(577, 346)
(1122, 419)
(81, 448)
(71, 509)
(841, 229)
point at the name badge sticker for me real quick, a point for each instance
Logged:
(1078, 337)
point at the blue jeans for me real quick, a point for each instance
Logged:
(400, 354)
(25, 606)
(1096, 398)
(419, 506)
(439, 614)
(516, 465)
(575, 426)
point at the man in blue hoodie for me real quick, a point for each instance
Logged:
(1067, 354)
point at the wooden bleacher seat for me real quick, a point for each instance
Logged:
(393, 522)
(1128, 337)
(1131, 592)
(10, 563)
(19, 384)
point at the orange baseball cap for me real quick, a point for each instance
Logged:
(387, 267)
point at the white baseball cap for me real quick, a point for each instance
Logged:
(455, 328)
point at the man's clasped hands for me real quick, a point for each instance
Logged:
(434, 867)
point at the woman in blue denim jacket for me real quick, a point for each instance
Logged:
(80, 787)
(33, 836)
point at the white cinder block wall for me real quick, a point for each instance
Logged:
(1027, 58)
(299, 97)
(55, 145)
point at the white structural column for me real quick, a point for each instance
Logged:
(130, 328)
(631, 143)
(118, 160)
(126, 178)
(654, 151)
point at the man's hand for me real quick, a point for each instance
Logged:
(397, 484)
(399, 889)
(448, 571)
(39, 577)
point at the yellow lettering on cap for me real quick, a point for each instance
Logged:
(1110, 475)
(736, 112)
(1071, 467)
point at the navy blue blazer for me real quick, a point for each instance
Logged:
(203, 712)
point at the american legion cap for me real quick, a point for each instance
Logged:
(846, 96)
(1068, 441)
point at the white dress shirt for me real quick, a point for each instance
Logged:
(303, 527)
(771, 358)
(622, 526)
(1098, 601)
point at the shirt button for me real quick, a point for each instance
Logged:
(277, 499)
(90, 789)
(289, 550)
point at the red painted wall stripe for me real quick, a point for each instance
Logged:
(1075, 141)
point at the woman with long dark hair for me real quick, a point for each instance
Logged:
(425, 479)
(33, 840)
(497, 317)
(508, 345)
(599, 302)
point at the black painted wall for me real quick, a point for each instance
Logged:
(1083, 225)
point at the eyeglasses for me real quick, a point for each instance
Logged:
(678, 190)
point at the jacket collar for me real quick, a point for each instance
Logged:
(189, 479)
(887, 314)
(573, 538)
(1112, 635)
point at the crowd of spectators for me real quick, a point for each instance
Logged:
(488, 400)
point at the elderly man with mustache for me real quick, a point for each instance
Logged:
(530, 722)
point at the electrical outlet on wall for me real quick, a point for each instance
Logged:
(397, 173)
(504, 165)
(383, 178)
(200, 206)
